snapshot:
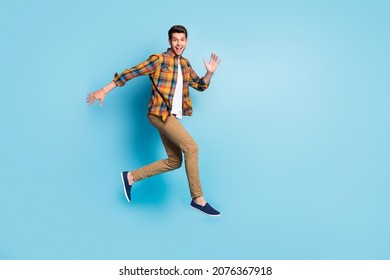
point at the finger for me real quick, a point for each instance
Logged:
(91, 100)
(90, 96)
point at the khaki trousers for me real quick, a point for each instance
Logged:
(176, 141)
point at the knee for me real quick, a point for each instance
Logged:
(191, 149)
(175, 162)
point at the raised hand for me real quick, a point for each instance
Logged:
(212, 65)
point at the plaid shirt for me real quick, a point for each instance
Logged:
(163, 70)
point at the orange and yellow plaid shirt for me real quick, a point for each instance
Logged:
(163, 70)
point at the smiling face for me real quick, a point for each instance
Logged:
(178, 43)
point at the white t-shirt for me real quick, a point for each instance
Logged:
(177, 103)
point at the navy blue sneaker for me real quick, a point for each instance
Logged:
(126, 186)
(207, 209)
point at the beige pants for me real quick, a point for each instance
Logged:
(176, 141)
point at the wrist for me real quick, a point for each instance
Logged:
(106, 89)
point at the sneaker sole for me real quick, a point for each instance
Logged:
(205, 212)
(124, 188)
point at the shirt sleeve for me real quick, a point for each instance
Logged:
(196, 82)
(144, 68)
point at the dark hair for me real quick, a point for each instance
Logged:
(177, 29)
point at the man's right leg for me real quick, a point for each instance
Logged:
(178, 135)
(173, 161)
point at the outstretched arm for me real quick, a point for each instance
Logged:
(211, 66)
(100, 94)
(144, 68)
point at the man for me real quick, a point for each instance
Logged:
(171, 75)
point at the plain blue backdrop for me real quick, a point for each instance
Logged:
(293, 131)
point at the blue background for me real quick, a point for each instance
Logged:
(293, 131)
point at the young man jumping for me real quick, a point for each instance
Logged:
(171, 75)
